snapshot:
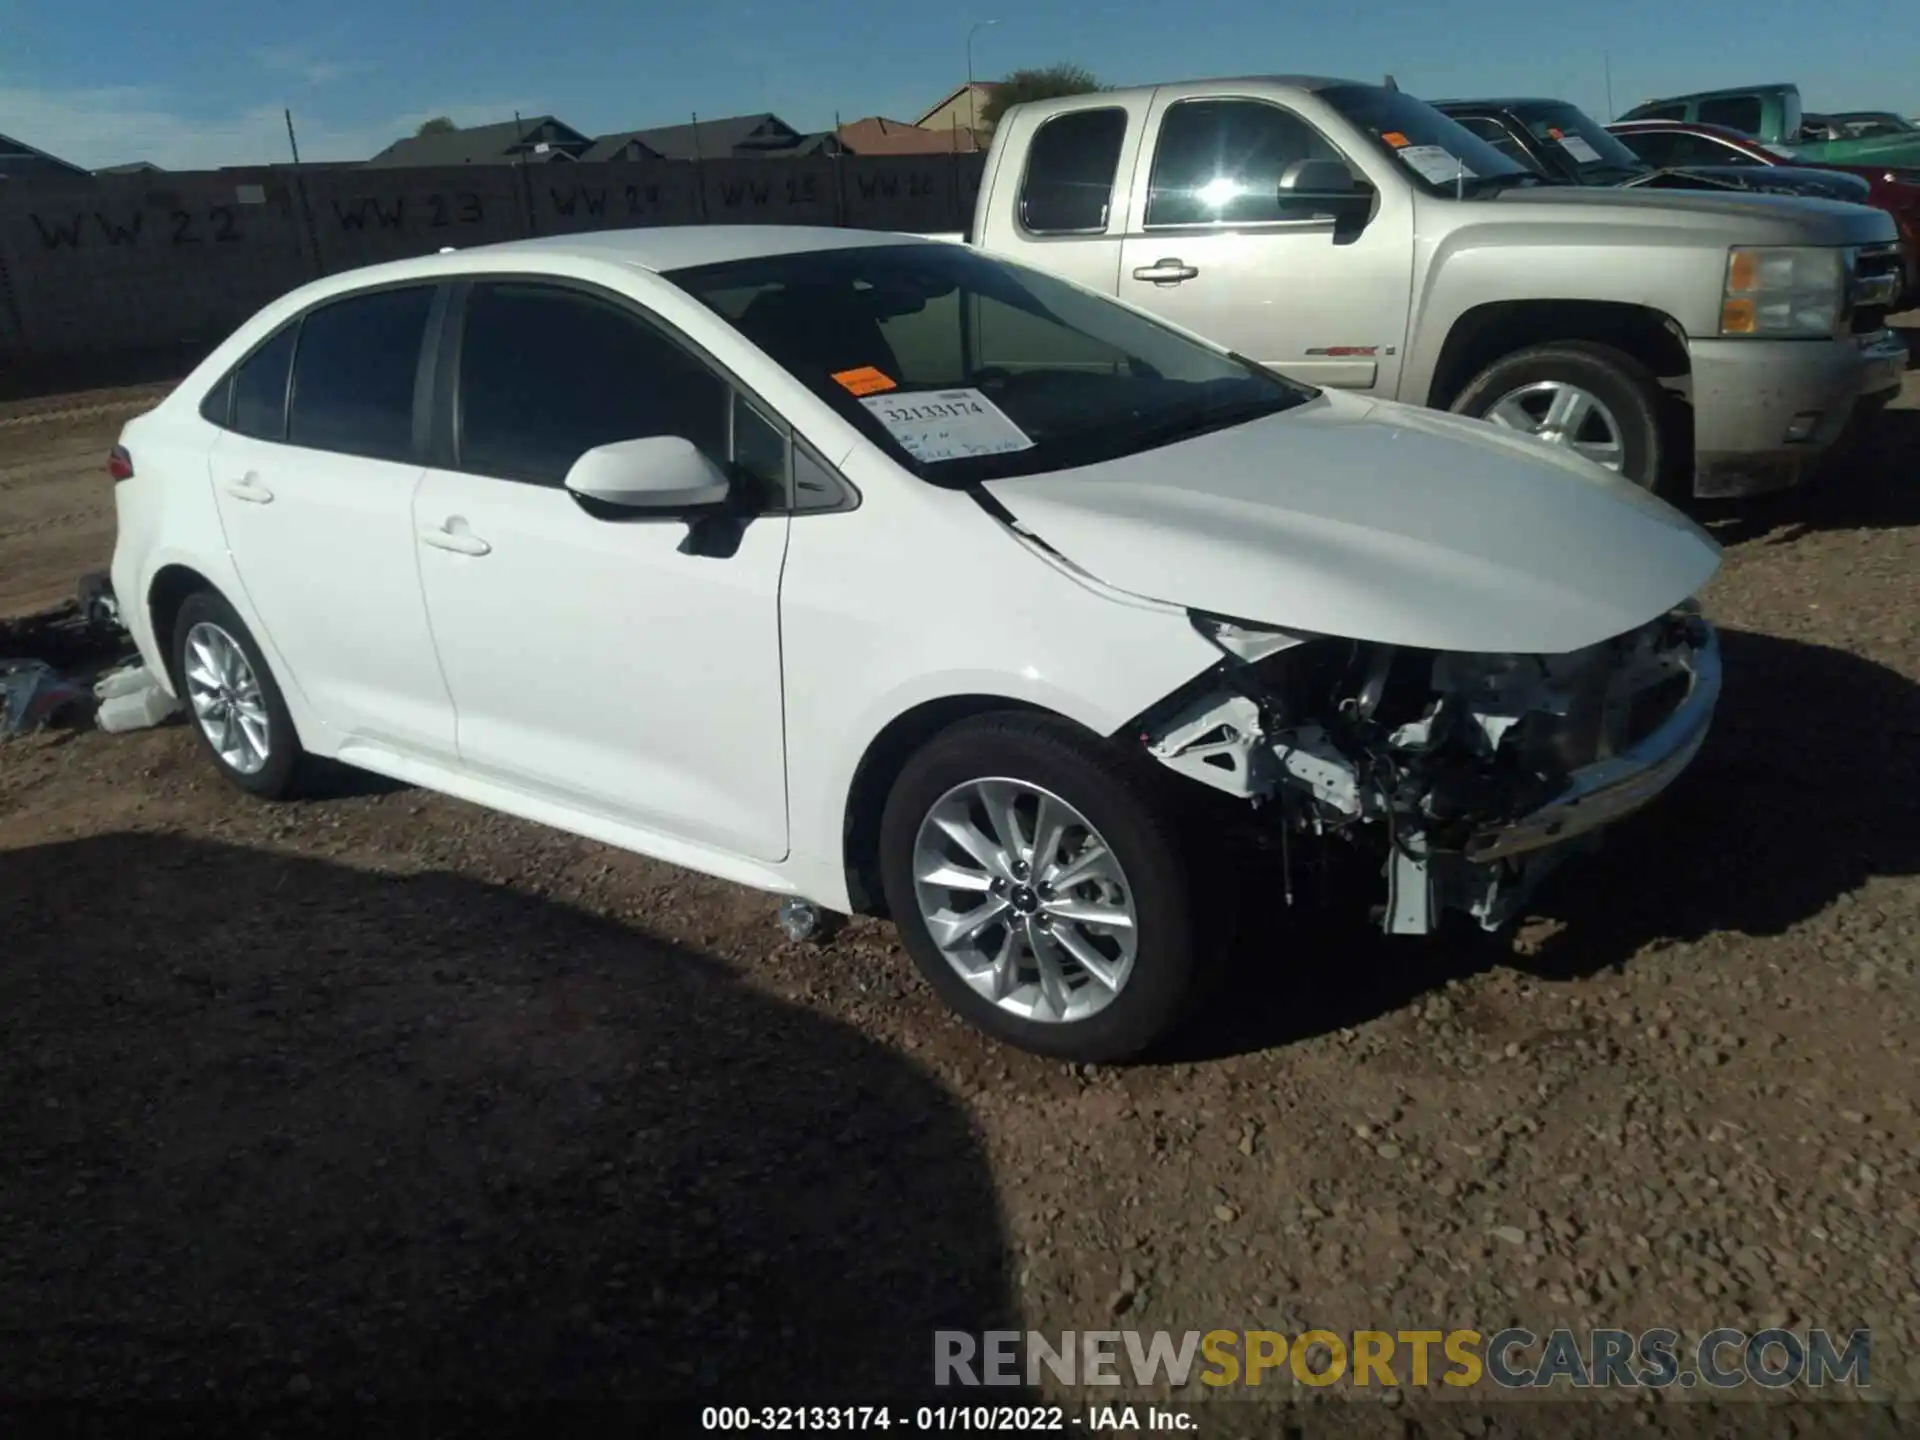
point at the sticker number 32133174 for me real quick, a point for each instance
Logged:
(933, 425)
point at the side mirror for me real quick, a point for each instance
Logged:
(662, 473)
(1325, 187)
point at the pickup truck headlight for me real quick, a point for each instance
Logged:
(1786, 292)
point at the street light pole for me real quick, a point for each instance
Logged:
(973, 97)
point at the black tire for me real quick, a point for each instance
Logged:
(286, 764)
(1628, 389)
(1119, 797)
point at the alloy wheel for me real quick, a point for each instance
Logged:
(1025, 899)
(1563, 414)
(225, 696)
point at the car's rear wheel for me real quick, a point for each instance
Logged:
(232, 698)
(1039, 884)
(1598, 402)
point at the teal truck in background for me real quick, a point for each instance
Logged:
(1772, 114)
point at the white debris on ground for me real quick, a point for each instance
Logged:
(132, 699)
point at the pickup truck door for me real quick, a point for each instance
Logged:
(1214, 245)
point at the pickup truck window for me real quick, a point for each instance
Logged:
(1220, 162)
(1080, 377)
(1736, 112)
(1432, 150)
(1070, 168)
(1657, 112)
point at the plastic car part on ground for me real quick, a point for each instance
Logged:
(32, 693)
(131, 699)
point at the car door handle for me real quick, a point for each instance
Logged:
(459, 542)
(1170, 271)
(249, 488)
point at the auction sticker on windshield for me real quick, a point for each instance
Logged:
(946, 424)
(1578, 148)
(1435, 164)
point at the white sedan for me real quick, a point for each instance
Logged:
(889, 577)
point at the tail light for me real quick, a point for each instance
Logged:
(120, 464)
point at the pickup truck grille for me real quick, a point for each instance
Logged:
(1875, 287)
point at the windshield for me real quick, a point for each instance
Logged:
(965, 368)
(1582, 142)
(1441, 156)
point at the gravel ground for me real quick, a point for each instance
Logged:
(382, 1095)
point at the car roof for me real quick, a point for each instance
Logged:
(672, 247)
(1776, 87)
(1510, 102)
(1692, 127)
(1141, 92)
(652, 250)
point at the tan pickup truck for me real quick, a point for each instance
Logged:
(1352, 236)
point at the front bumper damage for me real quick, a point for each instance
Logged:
(1473, 777)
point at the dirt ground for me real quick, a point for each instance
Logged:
(382, 1095)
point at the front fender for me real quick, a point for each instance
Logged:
(1000, 619)
(1521, 261)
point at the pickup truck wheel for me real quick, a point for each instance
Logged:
(1039, 885)
(1593, 399)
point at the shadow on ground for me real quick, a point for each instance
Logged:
(1873, 483)
(280, 1130)
(1808, 786)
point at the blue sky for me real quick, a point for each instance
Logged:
(200, 82)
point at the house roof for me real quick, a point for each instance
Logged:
(985, 87)
(131, 167)
(616, 146)
(17, 158)
(877, 135)
(717, 139)
(483, 144)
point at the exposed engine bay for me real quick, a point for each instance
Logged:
(1472, 774)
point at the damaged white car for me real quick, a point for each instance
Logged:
(889, 577)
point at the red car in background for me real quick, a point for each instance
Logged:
(1667, 143)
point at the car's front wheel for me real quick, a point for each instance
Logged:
(1038, 882)
(232, 699)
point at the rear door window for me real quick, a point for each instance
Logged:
(1068, 187)
(354, 371)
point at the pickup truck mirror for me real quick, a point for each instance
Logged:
(1316, 177)
(1325, 187)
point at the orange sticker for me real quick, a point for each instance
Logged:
(1556, 134)
(1396, 139)
(864, 381)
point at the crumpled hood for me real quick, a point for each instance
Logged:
(1376, 521)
